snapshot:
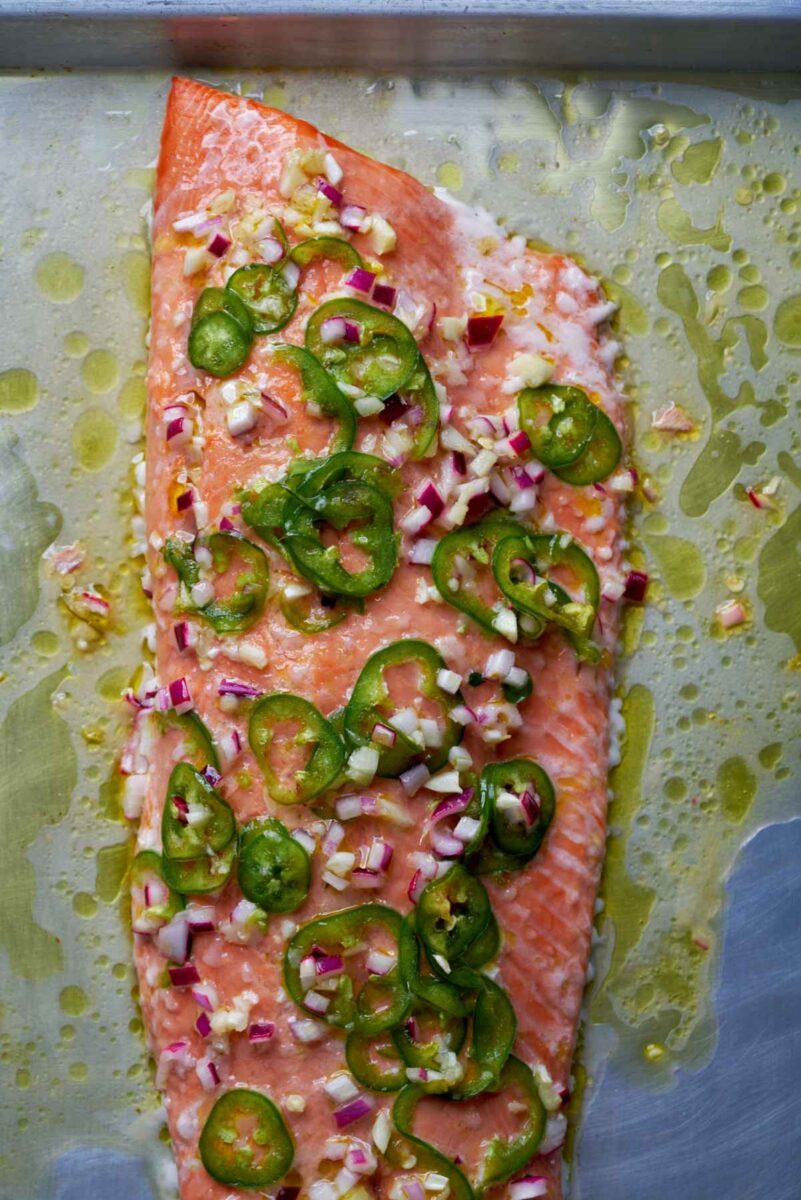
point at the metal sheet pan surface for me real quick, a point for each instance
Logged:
(686, 198)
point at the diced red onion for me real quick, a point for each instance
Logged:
(479, 506)
(227, 525)
(173, 941)
(180, 698)
(384, 295)
(203, 1024)
(352, 217)
(413, 1189)
(354, 1110)
(431, 499)
(361, 280)
(261, 1031)
(333, 836)
(523, 571)
(482, 330)
(414, 778)
(445, 845)
(287, 1192)
(218, 245)
(383, 735)
(636, 587)
(183, 976)
(379, 855)
(201, 919)
(416, 885)
(207, 1073)
(332, 330)
(366, 878)
(205, 998)
(329, 964)
(211, 775)
(522, 478)
(352, 332)
(275, 407)
(234, 687)
(528, 1188)
(185, 500)
(329, 191)
(531, 807)
(519, 442)
(182, 633)
(421, 552)
(230, 747)
(305, 840)
(179, 431)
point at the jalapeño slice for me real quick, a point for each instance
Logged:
(362, 511)
(438, 993)
(493, 1033)
(559, 421)
(420, 393)
(381, 1002)
(503, 1157)
(317, 248)
(191, 876)
(599, 459)
(317, 613)
(268, 296)
(216, 299)
(452, 912)
(383, 359)
(274, 869)
(309, 729)
(218, 344)
(522, 565)
(375, 1061)
(242, 607)
(371, 704)
(245, 1142)
(197, 747)
(196, 819)
(317, 387)
(521, 798)
(472, 547)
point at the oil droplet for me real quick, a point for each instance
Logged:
(678, 226)
(143, 178)
(680, 564)
(94, 439)
(719, 278)
(19, 390)
(654, 1051)
(132, 398)
(787, 322)
(508, 162)
(675, 788)
(59, 277)
(699, 162)
(770, 756)
(450, 175)
(78, 1072)
(736, 788)
(73, 1000)
(76, 344)
(67, 1033)
(100, 371)
(754, 298)
(23, 1078)
(84, 905)
(774, 184)
(45, 642)
(776, 584)
(136, 273)
(112, 863)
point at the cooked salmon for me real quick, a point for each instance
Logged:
(227, 167)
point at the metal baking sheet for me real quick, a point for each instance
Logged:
(686, 197)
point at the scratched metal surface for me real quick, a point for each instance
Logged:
(693, 1080)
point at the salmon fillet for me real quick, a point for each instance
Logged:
(228, 157)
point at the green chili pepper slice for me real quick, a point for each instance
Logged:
(518, 831)
(198, 747)
(342, 933)
(473, 545)
(313, 731)
(380, 363)
(493, 1034)
(375, 1062)
(505, 1156)
(151, 912)
(264, 512)
(599, 459)
(268, 296)
(191, 876)
(216, 299)
(310, 614)
(426, 1156)
(274, 869)
(420, 392)
(512, 561)
(361, 511)
(559, 421)
(245, 1142)
(437, 993)
(317, 248)
(425, 1032)
(218, 344)
(452, 912)
(243, 607)
(485, 947)
(196, 819)
(370, 704)
(351, 465)
(319, 388)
